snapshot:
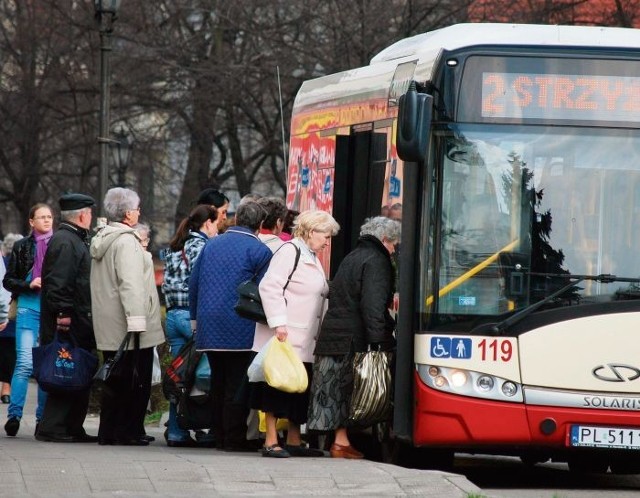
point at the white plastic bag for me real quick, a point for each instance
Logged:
(156, 374)
(255, 372)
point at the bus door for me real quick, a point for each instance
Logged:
(360, 166)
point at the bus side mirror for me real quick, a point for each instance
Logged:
(414, 121)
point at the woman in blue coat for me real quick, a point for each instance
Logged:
(226, 261)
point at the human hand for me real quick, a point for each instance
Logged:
(36, 283)
(63, 323)
(281, 333)
(4, 325)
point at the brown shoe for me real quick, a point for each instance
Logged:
(338, 451)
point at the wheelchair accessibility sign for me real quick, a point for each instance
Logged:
(450, 347)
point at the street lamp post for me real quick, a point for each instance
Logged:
(106, 11)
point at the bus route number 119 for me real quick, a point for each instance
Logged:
(495, 350)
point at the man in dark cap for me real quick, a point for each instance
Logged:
(66, 307)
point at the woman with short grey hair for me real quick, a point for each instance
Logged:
(382, 228)
(124, 299)
(118, 201)
(358, 318)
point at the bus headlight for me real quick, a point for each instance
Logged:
(458, 378)
(470, 383)
(509, 389)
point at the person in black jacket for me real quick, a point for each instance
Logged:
(66, 308)
(23, 279)
(358, 318)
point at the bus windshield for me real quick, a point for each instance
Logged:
(524, 208)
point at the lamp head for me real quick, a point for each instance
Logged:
(106, 6)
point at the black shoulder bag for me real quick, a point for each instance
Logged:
(249, 304)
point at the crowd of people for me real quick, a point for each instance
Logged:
(100, 289)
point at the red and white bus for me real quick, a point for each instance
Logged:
(515, 164)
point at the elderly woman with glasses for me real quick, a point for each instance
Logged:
(124, 299)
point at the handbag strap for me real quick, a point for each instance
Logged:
(123, 345)
(295, 265)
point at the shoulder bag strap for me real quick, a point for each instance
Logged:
(295, 265)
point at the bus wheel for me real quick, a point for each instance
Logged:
(591, 464)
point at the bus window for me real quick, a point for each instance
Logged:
(548, 201)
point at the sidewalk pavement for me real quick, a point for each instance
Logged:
(32, 468)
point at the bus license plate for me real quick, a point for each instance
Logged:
(605, 437)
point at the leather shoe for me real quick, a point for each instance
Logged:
(131, 442)
(55, 438)
(349, 452)
(302, 450)
(12, 426)
(6, 399)
(85, 438)
(147, 437)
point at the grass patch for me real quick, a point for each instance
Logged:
(153, 418)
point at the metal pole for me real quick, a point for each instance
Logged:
(284, 145)
(106, 28)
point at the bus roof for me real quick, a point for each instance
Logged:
(372, 82)
(425, 45)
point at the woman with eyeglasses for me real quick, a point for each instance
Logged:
(23, 280)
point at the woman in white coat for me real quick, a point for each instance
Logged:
(293, 314)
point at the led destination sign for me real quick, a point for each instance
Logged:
(553, 96)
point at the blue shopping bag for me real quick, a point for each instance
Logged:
(63, 366)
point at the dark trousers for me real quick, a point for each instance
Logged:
(64, 413)
(125, 396)
(228, 372)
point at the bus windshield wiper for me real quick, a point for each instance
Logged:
(605, 278)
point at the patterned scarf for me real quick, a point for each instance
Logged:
(42, 240)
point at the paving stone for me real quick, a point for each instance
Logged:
(303, 483)
(121, 485)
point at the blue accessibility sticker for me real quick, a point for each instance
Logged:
(450, 347)
(327, 185)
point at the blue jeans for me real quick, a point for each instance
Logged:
(27, 337)
(178, 326)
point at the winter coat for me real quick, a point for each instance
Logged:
(20, 264)
(65, 285)
(123, 289)
(301, 307)
(360, 295)
(225, 262)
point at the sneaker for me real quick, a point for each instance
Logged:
(12, 426)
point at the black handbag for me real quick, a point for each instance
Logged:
(249, 304)
(63, 366)
(109, 366)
